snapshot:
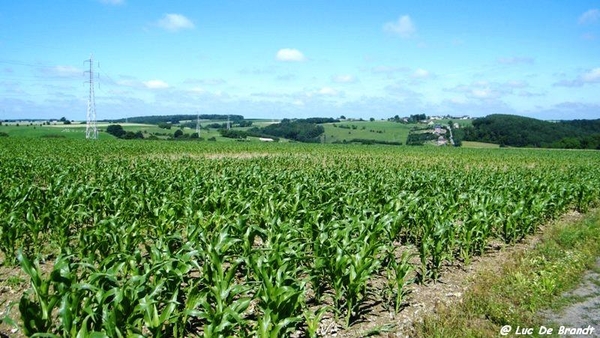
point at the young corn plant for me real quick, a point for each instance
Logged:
(312, 319)
(280, 294)
(222, 303)
(398, 279)
(47, 294)
(353, 262)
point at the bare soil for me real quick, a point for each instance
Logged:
(584, 308)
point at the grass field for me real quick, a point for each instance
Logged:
(184, 239)
(342, 131)
(376, 130)
(471, 144)
(77, 131)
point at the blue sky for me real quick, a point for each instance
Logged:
(277, 59)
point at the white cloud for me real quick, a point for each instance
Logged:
(487, 91)
(482, 93)
(208, 81)
(421, 74)
(156, 84)
(175, 22)
(112, 2)
(591, 76)
(517, 84)
(403, 27)
(290, 54)
(343, 78)
(197, 90)
(328, 91)
(590, 16)
(62, 71)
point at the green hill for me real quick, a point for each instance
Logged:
(519, 131)
(366, 130)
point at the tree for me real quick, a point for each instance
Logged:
(371, 119)
(178, 133)
(245, 123)
(115, 130)
(342, 117)
(164, 125)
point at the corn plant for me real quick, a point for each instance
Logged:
(221, 239)
(398, 279)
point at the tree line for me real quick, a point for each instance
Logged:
(519, 131)
(175, 119)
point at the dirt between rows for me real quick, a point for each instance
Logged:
(421, 300)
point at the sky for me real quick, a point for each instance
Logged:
(293, 59)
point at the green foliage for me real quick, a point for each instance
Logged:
(419, 138)
(164, 125)
(238, 239)
(518, 131)
(244, 123)
(232, 133)
(298, 130)
(116, 130)
(175, 119)
(529, 282)
(417, 118)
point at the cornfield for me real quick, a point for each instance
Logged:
(210, 240)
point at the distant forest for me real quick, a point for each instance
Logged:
(301, 130)
(518, 131)
(175, 119)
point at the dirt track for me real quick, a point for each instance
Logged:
(585, 306)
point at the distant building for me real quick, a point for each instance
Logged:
(439, 130)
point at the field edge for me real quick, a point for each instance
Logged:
(528, 283)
